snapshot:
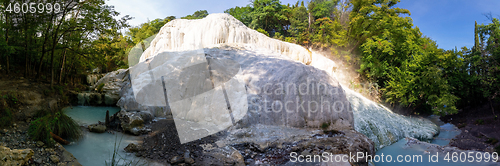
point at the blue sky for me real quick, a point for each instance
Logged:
(449, 22)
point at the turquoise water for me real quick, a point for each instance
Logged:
(86, 115)
(414, 151)
(448, 132)
(95, 149)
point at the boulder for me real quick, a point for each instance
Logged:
(55, 159)
(226, 155)
(113, 82)
(133, 122)
(97, 128)
(132, 148)
(111, 99)
(68, 158)
(14, 157)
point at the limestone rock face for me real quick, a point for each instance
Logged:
(112, 84)
(110, 92)
(14, 157)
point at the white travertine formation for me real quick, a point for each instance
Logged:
(182, 35)
(372, 119)
(184, 43)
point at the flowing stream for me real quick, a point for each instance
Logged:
(427, 151)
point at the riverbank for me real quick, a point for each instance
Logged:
(17, 138)
(20, 100)
(480, 128)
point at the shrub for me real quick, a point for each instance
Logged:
(58, 123)
(492, 141)
(99, 88)
(5, 117)
(39, 130)
(59, 89)
(263, 31)
(479, 122)
(325, 126)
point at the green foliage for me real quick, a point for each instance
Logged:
(99, 88)
(137, 41)
(492, 141)
(59, 89)
(299, 24)
(117, 158)
(39, 130)
(322, 8)
(479, 122)
(270, 15)
(5, 117)
(197, 15)
(371, 18)
(263, 31)
(329, 33)
(58, 123)
(241, 13)
(36, 44)
(325, 125)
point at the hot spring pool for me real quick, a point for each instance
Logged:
(95, 149)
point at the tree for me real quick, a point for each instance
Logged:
(270, 15)
(490, 58)
(197, 15)
(420, 81)
(241, 13)
(323, 8)
(299, 23)
(371, 18)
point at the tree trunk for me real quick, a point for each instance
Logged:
(59, 139)
(52, 64)
(26, 50)
(7, 40)
(43, 51)
(309, 17)
(62, 66)
(354, 47)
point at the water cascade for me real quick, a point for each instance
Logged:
(374, 120)
(370, 118)
(89, 98)
(383, 126)
(93, 78)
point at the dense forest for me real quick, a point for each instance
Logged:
(62, 43)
